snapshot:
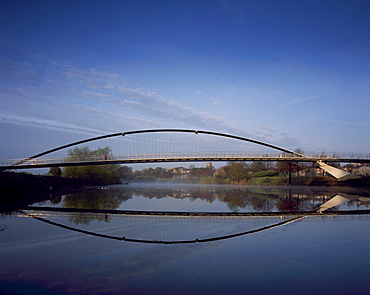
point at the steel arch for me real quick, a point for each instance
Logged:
(159, 131)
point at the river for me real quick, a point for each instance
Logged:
(56, 247)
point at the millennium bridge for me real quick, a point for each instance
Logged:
(174, 145)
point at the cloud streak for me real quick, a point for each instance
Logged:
(336, 121)
(299, 100)
(45, 124)
(92, 102)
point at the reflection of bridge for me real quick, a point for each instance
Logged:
(177, 227)
(175, 145)
(181, 227)
(49, 210)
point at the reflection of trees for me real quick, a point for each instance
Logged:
(177, 193)
(260, 199)
(235, 198)
(261, 203)
(289, 203)
(153, 193)
(56, 199)
(94, 199)
(241, 198)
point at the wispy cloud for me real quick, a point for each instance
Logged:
(336, 121)
(299, 100)
(46, 124)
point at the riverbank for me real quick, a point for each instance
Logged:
(22, 189)
(271, 181)
(12, 183)
(310, 181)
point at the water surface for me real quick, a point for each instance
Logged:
(311, 256)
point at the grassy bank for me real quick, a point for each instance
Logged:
(270, 181)
(275, 180)
(309, 181)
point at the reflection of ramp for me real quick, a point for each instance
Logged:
(335, 201)
(174, 228)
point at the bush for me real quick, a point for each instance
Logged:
(208, 180)
(268, 173)
(268, 181)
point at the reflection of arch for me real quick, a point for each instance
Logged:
(161, 131)
(277, 219)
(184, 241)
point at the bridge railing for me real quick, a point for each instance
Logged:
(37, 161)
(179, 156)
(354, 156)
(50, 160)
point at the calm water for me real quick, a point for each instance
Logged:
(311, 256)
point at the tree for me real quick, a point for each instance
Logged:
(220, 175)
(198, 173)
(237, 171)
(258, 166)
(285, 167)
(364, 171)
(162, 173)
(125, 174)
(93, 174)
(349, 167)
(55, 171)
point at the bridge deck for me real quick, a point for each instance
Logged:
(45, 163)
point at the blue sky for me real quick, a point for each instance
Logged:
(291, 73)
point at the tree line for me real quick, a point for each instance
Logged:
(232, 173)
(237, 172)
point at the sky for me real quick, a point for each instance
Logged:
(293, 73)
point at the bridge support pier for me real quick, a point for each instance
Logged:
(290, 174)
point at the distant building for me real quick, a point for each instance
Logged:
(179, 172)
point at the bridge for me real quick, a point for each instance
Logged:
(174, 145)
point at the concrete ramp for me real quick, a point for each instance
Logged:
(336, 172)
